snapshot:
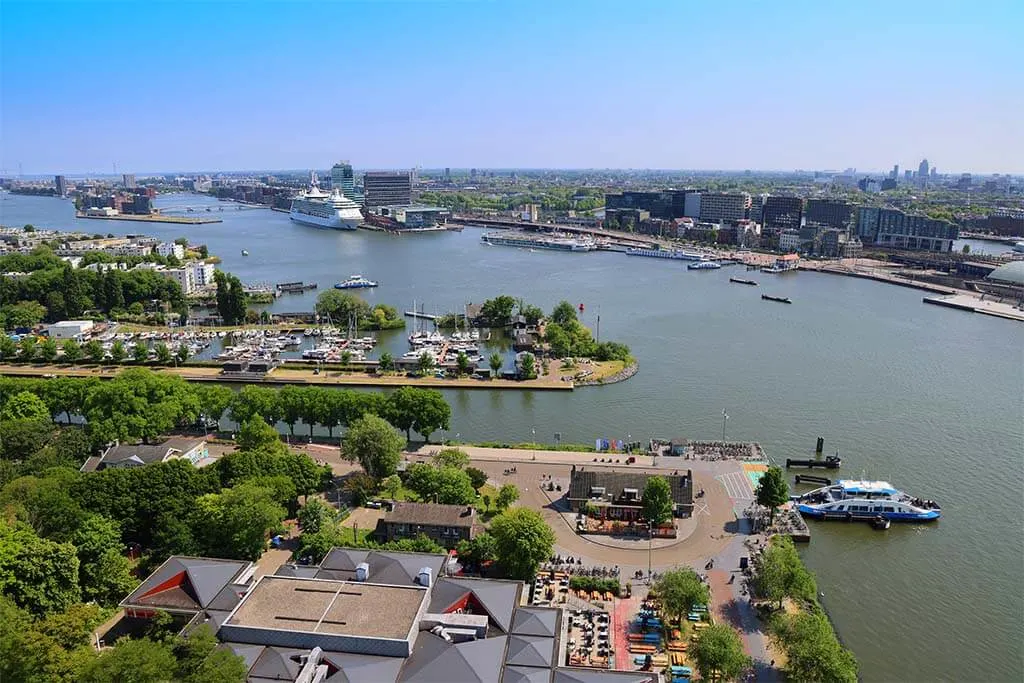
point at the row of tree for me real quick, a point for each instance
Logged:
(70, 351)
(345, 308)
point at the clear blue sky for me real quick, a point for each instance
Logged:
(726, 84)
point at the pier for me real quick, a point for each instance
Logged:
(151, 218)
(295, 287)
(832, 462)
(420, 316)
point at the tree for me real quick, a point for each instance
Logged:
(104, 573)
(812, 651)
(342, 306)
(386, 362)
(533, 314)
(139, 404)
(315, 515)
(37, 574)
(182, 354)
(230, 298)
(657, 502)
(25, 406)
(522, 541)
(94, 350)
(132, 661)
(718, 653)
(48, 350)
(214, 399)
(359, 486)
(140, 354)
(118, 352)
(391, 485)
(255, 434)
(495, 362)
(27, 349)
(254, 400)
(563, 314)
(507, 494)
(772, 490)
(451, 457)
(425, 362)
(966, 249)
(72, 351)
(374, 444)
(679, 590)
(497, 312)
(558, 340)
(478, 551)
(292, 400)
(163, 354)
(477, 477)
(453, 487)
(235, 523)
(528, 366)
(8, 348)
(462, 363)
(781, 574)
(19, 438)
(424, 410)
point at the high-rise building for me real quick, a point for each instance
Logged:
(895, 175)
(691, 205)
(666, 204)
(756, 212)
(908, 175)
(716, 207)
(343, 179)
(922, 172)
(781, 213)
(128, 180)
(894, 229)
(835, 213)
(62, 185)
(387, 188)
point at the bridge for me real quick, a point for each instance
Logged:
(205, 208)
(512, 224)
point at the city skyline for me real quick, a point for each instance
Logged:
(490, 85)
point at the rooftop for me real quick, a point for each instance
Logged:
(430, 514)
(582, 483)
(191, 584)
(332, 607)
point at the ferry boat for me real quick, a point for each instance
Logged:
(316, 207)
(355, 282)
(665, 253)
(704, 265)
(850, 499)
(540, 241)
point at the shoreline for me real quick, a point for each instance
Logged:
(152, 218)
(620, 376)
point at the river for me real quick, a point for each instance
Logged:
(929, 398)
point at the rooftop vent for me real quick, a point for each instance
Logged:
(425, 576)
(362, 571)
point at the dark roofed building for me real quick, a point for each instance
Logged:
(618, 495)
(444, 524)
(138, 455)
(190, 585)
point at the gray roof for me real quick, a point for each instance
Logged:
(350, 668)
(582, 481)
(498, 598)
(525, 674)
(430, 514)
(145, 454)
(573, 675)
(277, 664)
(535, 621)
(434, 660)
(1012, 272)
(385, 567)
(248, 653)
(530, 651)
(189, 584)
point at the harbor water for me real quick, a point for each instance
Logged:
(929, 398)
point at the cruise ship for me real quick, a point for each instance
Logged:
(850, 499)
(316, 207)
(539, 241)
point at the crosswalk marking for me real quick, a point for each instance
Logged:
(737, 486)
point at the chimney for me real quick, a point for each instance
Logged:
(362, 571)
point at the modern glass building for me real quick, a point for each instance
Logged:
(343, 179)
(894, 229)
(781, 213)
(835, 213)
(387, 188)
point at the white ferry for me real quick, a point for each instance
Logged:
(666, 253)
(540, 241)
(316, 207)
(850, 499)
(704, 265)
(355, 282)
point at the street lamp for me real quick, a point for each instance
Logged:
(533, 441)
(725, 416)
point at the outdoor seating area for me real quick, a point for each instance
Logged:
(550, 588)
(656, 645)
(589, 641)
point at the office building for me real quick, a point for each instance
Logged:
(387, 188)
(834, 213)
(691, 206)
(128, 180)
(908, 175)
(781, 213)
(964, 183)
(62, 185)
(894, 229)
(716, 207)
(790, 241)
(756, 211)
(664, 204)
(343, 179)
(895, 172)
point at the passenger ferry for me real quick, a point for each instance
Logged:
(850, 499)
(669, 254)
(524, 240)
(355, 282)
(316, 207)
(704, 265)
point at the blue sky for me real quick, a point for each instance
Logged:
(627, 84)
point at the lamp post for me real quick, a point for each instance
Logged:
(533, 442)
(725, 416)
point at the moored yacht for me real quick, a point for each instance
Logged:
(850, 499)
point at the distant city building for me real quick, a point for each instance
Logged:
(202, 273)
(531, 212)
(908, 175)
(895, 175)
(964, 183)
(666, 204)
(835, 213)
(691, 206)
(184, 276)
(385, 188)
(922, 172)
(716, 207)
(128, 180)
(61, 184)
(781, 213)
(756, 211)
(894, 229)
(170, 248)
(343, 179)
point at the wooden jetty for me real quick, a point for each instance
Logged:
(832, 462)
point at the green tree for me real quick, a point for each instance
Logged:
(118, 352)
(679, 590)
(528, 366)
(462, 364)
(451, 457)
(163, 354)
(254, 400)
(507, 494)
(497, 312)
(292, 400)
(139, 404)
(425, 362)
(200, 660)
(558, 340)
(140, 354)
(182, 355)
(522, 541)
(477, 476)
(132, 661)
(37, 574)
(533, 314)
(255, 434)
(391, 485)
(423, 410)
(214, 399)
(24, 314)
(495, 362)
(718, 653)
(230, 298)
(315, 515)
(235, 522)
(812, 651)
(563, 314)
(72, 351)
(25, 406)
(104, 573)
(374, 444)
(359, 486)
(781, 573)
(94, 350)
(27, 349)
(453, 487)
(657, 501)
(21, 438)
(772, 490)
(8, 347)
(386, 362)
(478, 551)
(48, 350)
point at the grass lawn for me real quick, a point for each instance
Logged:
(349, 536)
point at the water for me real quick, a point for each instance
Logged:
(984, 247)
(927, 397)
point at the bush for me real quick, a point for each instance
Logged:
(591, 583)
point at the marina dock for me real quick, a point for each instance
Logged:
(420, 316)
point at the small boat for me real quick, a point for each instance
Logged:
(742, 281)
(355, 282)
(850, 499)
(880, 523)
(245, 252)
(704, 265)
(780, 299)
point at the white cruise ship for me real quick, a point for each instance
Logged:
(334, 210)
